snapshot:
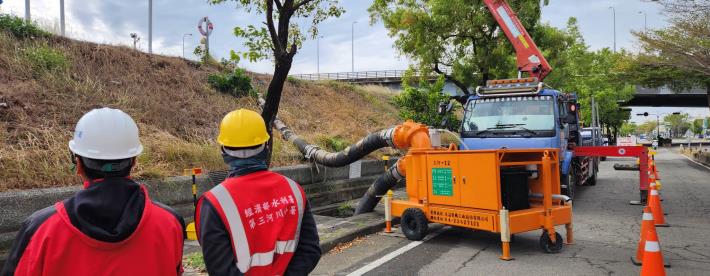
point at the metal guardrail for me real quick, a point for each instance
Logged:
(351, 75)
(361, 76)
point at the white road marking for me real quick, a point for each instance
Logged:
(696, 162)
(394, 254)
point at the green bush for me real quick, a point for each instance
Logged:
(421, 104)
(42, 58)
(235, 83)
(19, 27)
(335, 143)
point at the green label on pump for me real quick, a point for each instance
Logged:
(441, 182)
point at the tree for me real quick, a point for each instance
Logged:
(647, 128)
(279, 38)
(628, 129)
(678, 124)
(679, 55)
(697, 126)
(420, 104)
(458, 39)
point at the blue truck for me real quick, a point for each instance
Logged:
(522, 114)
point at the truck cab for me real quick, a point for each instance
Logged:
(521, 114)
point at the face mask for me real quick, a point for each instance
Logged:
(242, 166)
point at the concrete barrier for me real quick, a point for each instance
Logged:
(323, 186)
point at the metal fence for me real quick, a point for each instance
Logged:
(352, 76)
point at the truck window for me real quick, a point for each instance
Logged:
(524, 115)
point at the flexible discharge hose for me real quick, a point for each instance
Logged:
(378, 188)
(355, 152)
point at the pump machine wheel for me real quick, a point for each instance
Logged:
(547, 245)
(414, 224)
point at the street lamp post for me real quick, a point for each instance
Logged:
(645, 22)
(27, 11)
(352, 38)
(183, 44)
(150, 26)
(614, 12)
(318, 55)
(61, 16)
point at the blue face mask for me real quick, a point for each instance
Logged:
(242, 166)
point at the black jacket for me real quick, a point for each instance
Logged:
(108, 211)
(219, 256)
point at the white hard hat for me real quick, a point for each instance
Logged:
(106, 134)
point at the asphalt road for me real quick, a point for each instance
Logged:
(606, 233)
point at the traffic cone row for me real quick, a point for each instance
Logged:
(648, 252)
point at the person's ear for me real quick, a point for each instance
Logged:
(80, 167)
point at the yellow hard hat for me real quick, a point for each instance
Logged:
(242, 128)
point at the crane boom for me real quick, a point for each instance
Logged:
(529, 57)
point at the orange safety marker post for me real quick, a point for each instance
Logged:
(388, 212)
(190, 228)
(568, 229)
(652, 256)
(646, 225)
(505, 235)
(654, 203)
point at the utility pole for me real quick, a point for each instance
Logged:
(61, 16)
(183, 44)
(614, 11)
(27, 11)
(150, 26)
(352, 38)
(645, 22)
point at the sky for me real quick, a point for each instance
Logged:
(111, 22)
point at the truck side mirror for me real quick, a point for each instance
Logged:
(571, 116)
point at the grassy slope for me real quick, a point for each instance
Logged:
(177, 112)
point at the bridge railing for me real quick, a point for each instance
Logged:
(351, 76)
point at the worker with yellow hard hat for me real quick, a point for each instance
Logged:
(255, 222)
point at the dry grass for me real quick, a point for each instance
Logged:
(177, 112)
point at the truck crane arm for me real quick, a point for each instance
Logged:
(529, 57)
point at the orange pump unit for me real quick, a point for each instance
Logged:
(501, 191)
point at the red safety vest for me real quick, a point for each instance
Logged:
(59, 248)
(262, 212)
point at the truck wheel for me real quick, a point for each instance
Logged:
(568, 181)
(593, 179)
(547, 245)
(414, 224)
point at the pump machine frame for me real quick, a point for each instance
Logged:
(463, 188)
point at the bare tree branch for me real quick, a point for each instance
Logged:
(303, 2)
(278, 49)
(456, 82)
(278, 5)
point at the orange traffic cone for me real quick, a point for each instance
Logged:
(654, 203)
(646, 225)
(652, 257)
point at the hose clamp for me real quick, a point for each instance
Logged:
(310, 151)
(395, 171)
(388, 136)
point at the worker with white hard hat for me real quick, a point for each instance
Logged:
(111, 227)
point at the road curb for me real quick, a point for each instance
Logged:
(351, 234)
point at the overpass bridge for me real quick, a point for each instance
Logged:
(656, 97)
